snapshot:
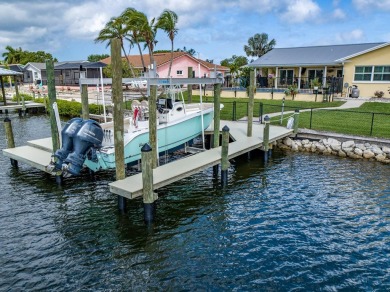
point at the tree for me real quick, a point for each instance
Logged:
(258, 45)
(192, 52)
(167, 21)
(97, 57)
(114, 28)
(235, 64)
(210, 61)
(13, 56)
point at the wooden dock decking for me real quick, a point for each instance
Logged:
(131, 187)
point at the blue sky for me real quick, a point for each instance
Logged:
(214, 29)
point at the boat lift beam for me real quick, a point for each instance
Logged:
(154, 81)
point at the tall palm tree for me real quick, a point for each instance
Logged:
(145, 30)
(167, 21)
(114, 29)
(13, 56)
(132, 31)
(258, 45)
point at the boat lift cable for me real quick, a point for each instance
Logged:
(201, 109)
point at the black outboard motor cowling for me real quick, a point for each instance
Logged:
(68, 132)
(90, 135)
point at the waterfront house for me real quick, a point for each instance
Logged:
(181, 62)
(366, 66)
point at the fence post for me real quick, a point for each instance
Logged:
(296, 120)
(266, 137)
(311, 116)
(234, 110)
(261, 112)
(372, 123)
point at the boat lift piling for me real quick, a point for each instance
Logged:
(51, 90)
(189, 86)
(296, 120)
(217, 120)
(266, 138)
(149, 197)
(225, 156)
(9, 135)
(84, 102)
(117, 98)
(251, 95)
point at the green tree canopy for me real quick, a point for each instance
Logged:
(126, 71)
(97, 57)
(259, 45)
(19, 56)
(234, 63)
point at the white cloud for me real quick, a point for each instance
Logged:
(338, 14)
(336, 2)
(352, 36)
(364, 5)
(300, 11)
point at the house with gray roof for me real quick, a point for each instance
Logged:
(366, 66)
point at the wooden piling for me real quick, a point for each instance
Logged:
(251, 103)
(224, 156)
(217, 119)
(3, 90)
(153, 124)
(149, 197)
(52, 99)
(84, 102)
(296, 121)
(117, 98)
(9, 135)
(266, 137)
(189, 86)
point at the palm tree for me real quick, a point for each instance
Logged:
(115, 29)
(13, 56)
(132, 31)
(145, 30)
(167, 22)
(258, 45)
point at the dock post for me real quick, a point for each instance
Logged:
(296, 121)
(84, 102)
(153, 124)
(9, 135)
(266, 138)
(251, 94)
(217, 115)
(117, 98)
(149, 197)
(225, 156)
(189, 86)
(3, 90)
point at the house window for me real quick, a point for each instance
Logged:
(35, 75)
(363, 73)
(382, 73)
(179, 72)
(286, 76)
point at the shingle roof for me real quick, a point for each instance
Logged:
(163, 58)
(316, 55)
(6, 72)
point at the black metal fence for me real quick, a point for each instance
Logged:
(333, 120)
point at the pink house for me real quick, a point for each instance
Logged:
(181, 62)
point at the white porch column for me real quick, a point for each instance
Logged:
(276, 77)
(299, 78)
(324, 77)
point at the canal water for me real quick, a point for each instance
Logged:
(303, 222)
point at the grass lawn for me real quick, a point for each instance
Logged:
(371, 119)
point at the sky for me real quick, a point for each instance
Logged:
(216, 30)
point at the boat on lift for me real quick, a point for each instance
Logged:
(90, 144)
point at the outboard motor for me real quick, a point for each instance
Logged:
(90, 135)
(68, 132)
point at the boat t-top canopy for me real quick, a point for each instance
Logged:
(6, 72)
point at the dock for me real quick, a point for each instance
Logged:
(131, 187)
(27, 105)
(37, 153)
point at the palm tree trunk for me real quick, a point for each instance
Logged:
(170, 64)
(128, 62)
(142, 56)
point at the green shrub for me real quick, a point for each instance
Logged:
(25, 95)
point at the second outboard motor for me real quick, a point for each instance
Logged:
(90, 135)
(68, 132)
